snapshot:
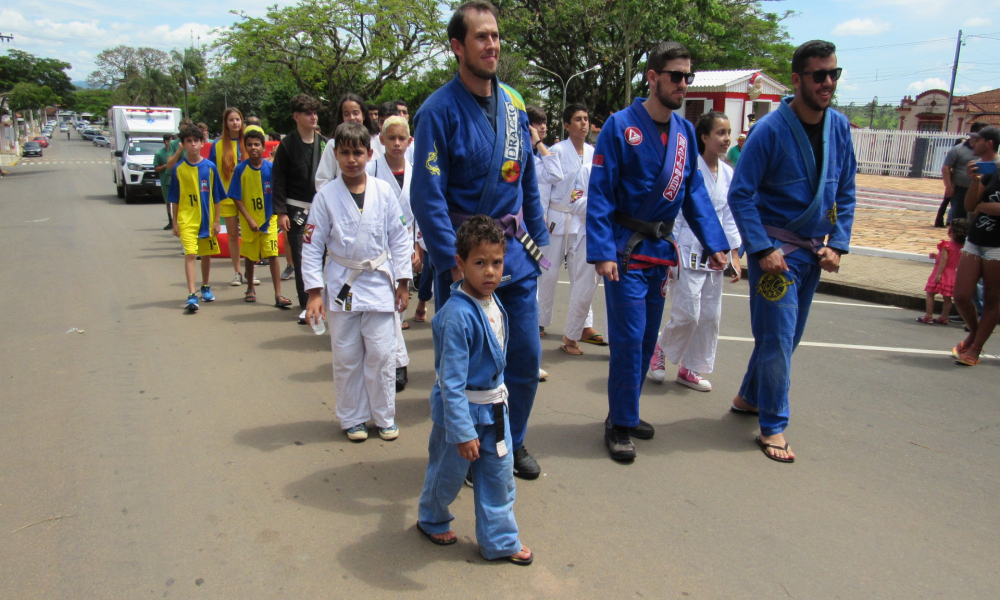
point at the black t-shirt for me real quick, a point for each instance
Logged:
(664, 129)
(400, 177)
(984, 230)
(489, 106)
(815, 135)
(359, 199)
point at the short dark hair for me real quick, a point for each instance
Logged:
(535, 114)
(458, 28)
(167, 137)
(352, 135)
(251, 120)
(253, 134)
(663, 53)
(274, 136)
(978, 126)
(387, 109)
(704, 127)
(191, 131)
(810, 49)
(572, 109)
(304, 103)
(401, 103)
(480, 229)
(186, 121)
(960, 227)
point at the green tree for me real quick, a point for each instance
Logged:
(96, 102)
(21, 67)
(147, 87)
(32, 95)
(189, 70)
(230, 89)
(358, 46)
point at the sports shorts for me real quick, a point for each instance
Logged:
(257, 245)
(195, 245)
(227, 208)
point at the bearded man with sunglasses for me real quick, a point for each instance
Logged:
(793, 200)
(645, 171)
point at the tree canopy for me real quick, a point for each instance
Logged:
(21, 67)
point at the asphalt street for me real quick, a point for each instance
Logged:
(163, 455)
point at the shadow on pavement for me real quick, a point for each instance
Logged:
(109, 198)
(303, 342)
(269, 438)
(177, 304)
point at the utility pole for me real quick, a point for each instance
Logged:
(871, 118)
(6, 38)
(954, 72)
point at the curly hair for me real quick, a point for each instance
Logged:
(190, 131)
(959, 227)
(480, 229)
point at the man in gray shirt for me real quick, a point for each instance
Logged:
(956, 181)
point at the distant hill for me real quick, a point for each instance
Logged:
(81, 85)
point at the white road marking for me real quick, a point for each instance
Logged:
(831, 302)
(858, 347)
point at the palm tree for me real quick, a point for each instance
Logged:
(188, 69)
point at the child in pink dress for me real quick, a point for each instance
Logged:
(942, 279)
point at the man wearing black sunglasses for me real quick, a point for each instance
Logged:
(645, 172)
(793, 200)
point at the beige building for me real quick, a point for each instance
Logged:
(926, 111)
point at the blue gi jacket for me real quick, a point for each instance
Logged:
(628, 161)
(775, 182)
(467, 355)
(455, 153)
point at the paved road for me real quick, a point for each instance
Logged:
(164, 455)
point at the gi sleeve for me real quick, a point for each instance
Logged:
(699, 212)
(400, 243)
(840, 237)
(174, 194)
(729, 227)
(314, 242)
(548, 169)
(753, 164)
(453, 373)
(429, 184)
(328, 167)
(531, 204)
(278, 186)
(601, 193)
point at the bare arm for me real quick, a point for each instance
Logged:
(974, 196)
(949, 188)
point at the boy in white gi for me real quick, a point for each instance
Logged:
(565, 205)
(358, 220)
(393, 168)
(469, 402)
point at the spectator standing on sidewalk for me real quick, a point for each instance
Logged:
(956, 181)
(160, 160)
(942, 278)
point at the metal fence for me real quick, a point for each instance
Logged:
(901, 153)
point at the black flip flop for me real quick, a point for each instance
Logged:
(521, 562)
(438, 542)
(764, 447)
(743, 411)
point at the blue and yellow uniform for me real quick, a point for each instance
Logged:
(227, 207)
(252, 187)
(196, 189)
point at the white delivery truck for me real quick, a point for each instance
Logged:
(136, 135)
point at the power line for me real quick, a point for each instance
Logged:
(933, 41)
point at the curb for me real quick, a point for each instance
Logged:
(895, 254)
(864, 294)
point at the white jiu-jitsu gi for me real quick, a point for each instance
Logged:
(362, 317)
(380, 169)
(565, 206)
(691, 335)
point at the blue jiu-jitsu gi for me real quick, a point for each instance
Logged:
(782, 200)
(463, 167)
(469, 360)
(635, 176)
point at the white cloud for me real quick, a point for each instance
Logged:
(978, 22)
(164, 35)
(866, 26)
(932, 83)
(985, 88)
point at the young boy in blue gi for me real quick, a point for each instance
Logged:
(645, 170)
(469, 401)
(793, 200)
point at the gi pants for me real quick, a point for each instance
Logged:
(294, 239)
(692, 334)
(520, 300)
(426, 290)
(779, 307)
(582, 283)
(364, 366)
(402, 357)
(635, 309)
(492, 488)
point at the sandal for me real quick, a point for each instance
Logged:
(522, 562)
(941, 321)
(968, 359)
(250, 296)
(404, 326)
(420, 316)
(596, 339)
(764, 447)
(925, 320)
(282, 302)
(435, 540)
(570, 350)
(958, 350)
(541, 331)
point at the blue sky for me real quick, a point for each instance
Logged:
(76, 30)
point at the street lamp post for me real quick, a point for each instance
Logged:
(565, 83)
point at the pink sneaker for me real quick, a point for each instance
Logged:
(657, 369)
(693, 380)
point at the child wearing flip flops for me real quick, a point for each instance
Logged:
(942, 279)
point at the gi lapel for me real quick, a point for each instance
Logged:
(805, 148)
(500, 152)
(668, 182)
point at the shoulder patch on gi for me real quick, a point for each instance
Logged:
(310, 228)
(598, 160)
(432, 158)
(774, 286)
(515, 98)
(633, 136)
(511, 171)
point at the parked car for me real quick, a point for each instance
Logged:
(101, 140)
(47, 133)
(32, 149)
(89, 134)
(64, 128)
(44, 143)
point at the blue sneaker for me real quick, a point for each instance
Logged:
(206, 293)
(192, 303)
(358, 433)
(389, 433)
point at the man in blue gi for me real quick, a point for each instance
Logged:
(793, 200)
(473, 156)
(645, 171)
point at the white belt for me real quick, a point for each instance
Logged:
(494, 396)
(357, 267)
(563, 208)
(299, 203)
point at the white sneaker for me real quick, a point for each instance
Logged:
(302, 318)
(657, 368)
(693, 380)
(542, 375)
(238, 280)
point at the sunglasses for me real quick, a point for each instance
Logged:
(676, 76)
(821, 75)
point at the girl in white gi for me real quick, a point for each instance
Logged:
(393, 168)
(690, 338)
(565, 204)
(469, 402)
(351, 109)
(357, 219)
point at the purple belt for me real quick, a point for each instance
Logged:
(512, 227)
(793, 241)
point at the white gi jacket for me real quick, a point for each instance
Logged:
(336, 224)
(548, 172)
(380, 169)
(690, 249)
(565, 206)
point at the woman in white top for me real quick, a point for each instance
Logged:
(690, 338)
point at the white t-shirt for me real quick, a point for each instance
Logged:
(493, 315)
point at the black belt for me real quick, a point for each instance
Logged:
(658, 230)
